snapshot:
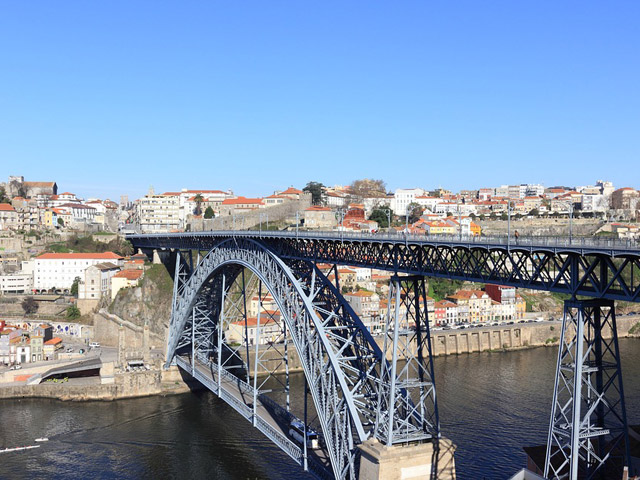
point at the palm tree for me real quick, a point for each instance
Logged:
(198, 199)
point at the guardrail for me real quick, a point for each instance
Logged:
(281, 440)
(502, 240)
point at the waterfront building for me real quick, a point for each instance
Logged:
(59, 270)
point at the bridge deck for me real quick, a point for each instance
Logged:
(581, 245)
(271, 419)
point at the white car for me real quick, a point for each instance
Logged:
(94, 345)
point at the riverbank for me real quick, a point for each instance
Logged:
(116, 387)
(504, 338)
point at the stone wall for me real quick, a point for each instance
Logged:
(107, 327)
(457, 342)
(541, 226)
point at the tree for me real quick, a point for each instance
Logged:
(534, 212)
(504, 216)
(29, 305)
(368, 188)
(473, 216)
(73, 312)
(60, 222)
(380, 215)
(74, 287)
(208, 213)
(441, 288)
(415, 212)
(493, 216)
(198, 199)
(316, 189)
(3, 196)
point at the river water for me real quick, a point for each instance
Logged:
(491, 404)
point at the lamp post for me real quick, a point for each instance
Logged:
(297, 221)
(388, 218)
(460, 220)
(508, 223)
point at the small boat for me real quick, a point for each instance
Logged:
(15, 449)
(42, 439)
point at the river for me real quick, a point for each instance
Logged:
(491, 404)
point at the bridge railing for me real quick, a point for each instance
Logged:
(499, 240)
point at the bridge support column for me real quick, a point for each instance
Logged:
(407, 408)
(588, 431)
(431, 460)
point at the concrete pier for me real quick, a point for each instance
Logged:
(433, 460)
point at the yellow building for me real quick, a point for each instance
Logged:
(123, 279)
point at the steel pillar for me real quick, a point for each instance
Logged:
(407, 408)
(588, 430)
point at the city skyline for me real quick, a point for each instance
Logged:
(109, 100)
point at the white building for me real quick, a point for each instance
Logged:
(159, 213)
(403, 197)
(58, 270)
(96, 282)
(16, 283)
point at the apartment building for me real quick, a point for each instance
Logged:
(58, 270)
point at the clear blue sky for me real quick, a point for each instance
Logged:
(112, 97)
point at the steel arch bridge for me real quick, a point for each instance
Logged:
(359, 389)
(356, 392)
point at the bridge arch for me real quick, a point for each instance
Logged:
(340, 359)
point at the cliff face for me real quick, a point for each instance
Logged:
(149, 303)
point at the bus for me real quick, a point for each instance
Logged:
(296, 431)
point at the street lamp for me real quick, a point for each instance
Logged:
(388, 218)
(508, 223)
(297, 221)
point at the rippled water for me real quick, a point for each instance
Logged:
(491, 404)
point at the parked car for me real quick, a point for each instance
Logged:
(15, 367)
(69, 349)
(94, 345)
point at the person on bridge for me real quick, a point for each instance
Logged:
(517, 235)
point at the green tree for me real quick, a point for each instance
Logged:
(60, 222)
(534, 212)
(442, 288)
(316, 189)
(504, 216)
(415, 212)
(3, 196)
(73, 312)
(198, 199)
(380, 215)
(493, 216)
(74, 287)
(208, 213)
(29, 305)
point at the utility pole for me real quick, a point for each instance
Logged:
(508, 223)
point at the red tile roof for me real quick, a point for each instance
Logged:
(242, 201)
(53, 341)
(317, 208)
(291, 191)
(129, 274)
(80, 256)
(5, 207)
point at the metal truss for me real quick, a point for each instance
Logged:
(588, 431)
(407, 407)
(594, 272)
(343, 364)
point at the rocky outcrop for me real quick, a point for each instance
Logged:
(149, 303)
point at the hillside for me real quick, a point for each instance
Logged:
(150, 302)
